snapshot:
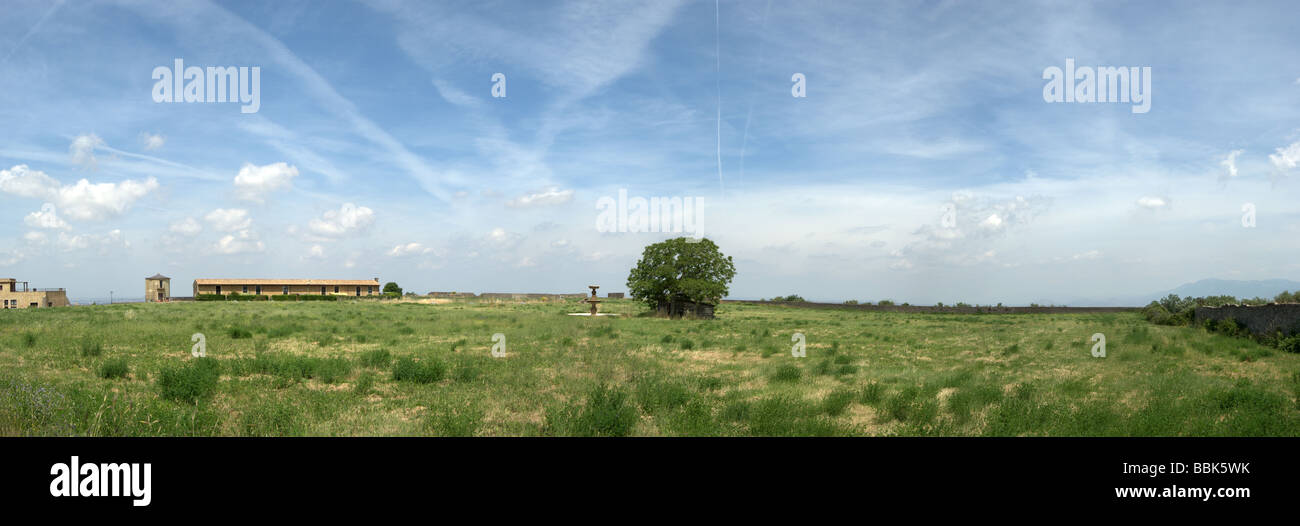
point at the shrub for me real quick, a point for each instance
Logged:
(237, 333)
(29, 340)
(457, 421)
(786, 373)
(421, 372)
(376, 358)
(365, 383)
(886, 303)
(114, 368)
(837, 402)
(91, 349)
(190, 383)
(1291, 344)
(605, 412)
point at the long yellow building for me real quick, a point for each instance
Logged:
(277, 287)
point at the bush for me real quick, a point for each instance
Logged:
(114, 368)
(786, 373)
(190, 383)
(456, 421)
(605, 412)
(91, 349)
(376, 358)
(29, 340)
(237, 333)
(421, 372)
(365, 383)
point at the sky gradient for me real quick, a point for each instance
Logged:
(378, 149)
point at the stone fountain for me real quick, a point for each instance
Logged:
(595, 304)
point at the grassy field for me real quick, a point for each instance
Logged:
(409, 368)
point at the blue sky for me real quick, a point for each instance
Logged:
(378, 149)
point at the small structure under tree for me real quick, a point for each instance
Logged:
(682, 276)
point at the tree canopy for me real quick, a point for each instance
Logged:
(392, 288)
(681, 269)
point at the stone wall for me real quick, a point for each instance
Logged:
(1261, 320)
(947, 309)
(526, 296)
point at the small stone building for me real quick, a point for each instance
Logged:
(157, 288)
(680, 308)
(16, 294)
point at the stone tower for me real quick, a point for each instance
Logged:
(157, 288)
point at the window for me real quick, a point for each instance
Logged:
(358, 291)
(259, 290)
(336, 289)
(218, 289)
(286, 290)
(245, 289)
(322, 291)
(370, 290)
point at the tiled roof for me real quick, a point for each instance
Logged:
(370, 282)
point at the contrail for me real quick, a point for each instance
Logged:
(32, 31)
(717, 79)
(750, 114)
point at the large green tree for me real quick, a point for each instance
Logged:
(681, 269)
(392, 288)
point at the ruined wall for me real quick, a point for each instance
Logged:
(1261, 320)
(947, 309)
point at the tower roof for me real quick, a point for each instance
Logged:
(157, 276)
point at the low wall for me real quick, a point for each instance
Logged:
(526, 296)
(934, 309)
(1261, 320)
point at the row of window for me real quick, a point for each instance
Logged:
(257, 289)
(13, 304)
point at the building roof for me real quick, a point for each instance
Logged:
(373, 282)
(157, 276)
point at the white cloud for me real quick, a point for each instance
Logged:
(454, 95)
(242, 242)
(72, 242)
(498, 234)
(186, 227)
(253, 182)
(1286, 158)
(316, 252)
(46, 217)
(1091, 254)
(1152, 203)
(409, 249)
(151, 141)
(1230, 162)
(82, 201)
(992, 222)
(82, 149)
(348, 219)
(35, 238)
(229, 219)
(549, 196)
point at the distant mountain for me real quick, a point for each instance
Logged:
(1265, 288)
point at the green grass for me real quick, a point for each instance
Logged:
(402, 369)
